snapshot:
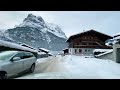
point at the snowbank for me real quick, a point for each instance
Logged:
(101, 50)
(105, 53)
(79, 67)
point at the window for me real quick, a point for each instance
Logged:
(75, 50)
(89, 43)
(89, 50)
(76, 43)
(27, 55)
(80, 50)
(70, 50)
(85, 50)
(24, 55)
(6, 55)
(94, 44)
(84, 43)
(19, 55)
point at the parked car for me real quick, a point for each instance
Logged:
(15, 62)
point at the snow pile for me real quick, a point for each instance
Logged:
(97, 68)
(56, 52)
(110, 51)
(101, 50)
(42, 60)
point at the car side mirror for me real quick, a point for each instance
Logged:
(15, 59)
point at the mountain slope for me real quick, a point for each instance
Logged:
(5, 37)
(36, 32)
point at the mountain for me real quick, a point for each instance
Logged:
(36, 32)
(4, 36)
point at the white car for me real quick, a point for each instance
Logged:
(15, 62)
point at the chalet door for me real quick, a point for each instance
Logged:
(75, 51)
(80, 51)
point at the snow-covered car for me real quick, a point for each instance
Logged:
(13, 63)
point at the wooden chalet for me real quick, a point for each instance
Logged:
(87, 41)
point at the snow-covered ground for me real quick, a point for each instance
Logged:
(74, 67)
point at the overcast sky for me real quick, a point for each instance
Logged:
(71, 22)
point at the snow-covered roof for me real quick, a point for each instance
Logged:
(101, 50)
(118, 37)
(105, 53)
(41, 53)
(65, 48)
(16, 46)
(99, 33)
(117, 34)
(56, 52)
(44, 49)
(23, 44)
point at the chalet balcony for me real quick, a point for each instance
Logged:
(90, 46)
(95, 41)
(86, 46)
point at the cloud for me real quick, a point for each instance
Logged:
(11, 18)
(46, 15)
(71, 22)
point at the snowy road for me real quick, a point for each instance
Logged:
(74, 67)
(46, 65)
(51, 64)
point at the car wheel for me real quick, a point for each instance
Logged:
(32, 68)
(2, 76)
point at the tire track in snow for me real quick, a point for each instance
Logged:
(50, 64)
(53, 64)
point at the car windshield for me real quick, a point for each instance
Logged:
(6, 55)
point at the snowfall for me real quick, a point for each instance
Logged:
(74, 67)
